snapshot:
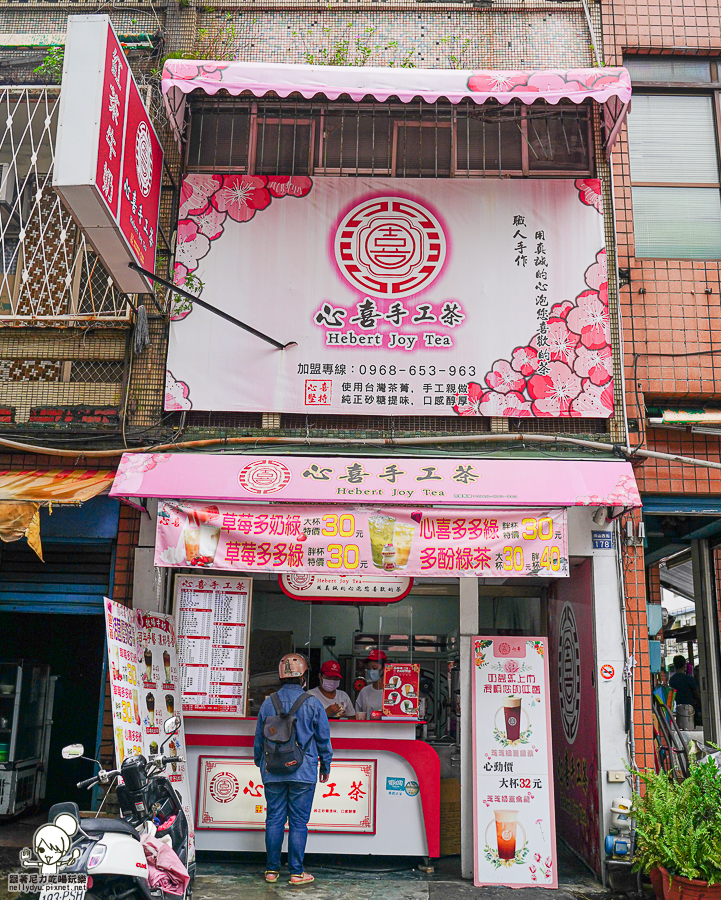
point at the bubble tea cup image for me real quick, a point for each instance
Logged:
(148, 658)
(512, 714)
(166, 665)
(380, 528)
(506, 822)
(170, 704)
(136, 707)
(403, 539)
(150, 703)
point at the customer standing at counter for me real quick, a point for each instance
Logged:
(337, 704)
(370, 699)
(289, 795)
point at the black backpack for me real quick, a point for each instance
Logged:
(283, 754)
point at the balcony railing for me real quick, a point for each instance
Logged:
(49, 273)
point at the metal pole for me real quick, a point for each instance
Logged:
(707, 630)
(468, 591)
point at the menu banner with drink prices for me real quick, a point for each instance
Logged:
(363, 539)
(144, 679)
(513, 808)
(473, 297)
(213, 615)
(231, 796)
(401, 690)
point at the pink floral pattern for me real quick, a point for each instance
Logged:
(207, 201)
(554, 82)
(589, 190)
(576, 377)
(625, 494)
(176, 394)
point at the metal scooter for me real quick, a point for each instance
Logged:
(111, 854)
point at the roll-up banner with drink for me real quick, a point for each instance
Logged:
(514, 818)
(145, 691)
(362, 539)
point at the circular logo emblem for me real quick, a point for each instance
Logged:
(412, 788)
(144, 158)
(224, 787)
(569, 673)
(264, 476)
(504, 649)
(390, 247)
(512, 720)
(300, 582)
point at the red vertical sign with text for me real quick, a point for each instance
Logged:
(112, 123)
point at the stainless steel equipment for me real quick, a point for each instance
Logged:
(26, 706)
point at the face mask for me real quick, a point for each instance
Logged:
(372, 675)
(329, 684)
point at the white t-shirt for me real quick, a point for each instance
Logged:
(340, 697)
(369, 699)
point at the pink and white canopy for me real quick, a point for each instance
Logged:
(609, 86)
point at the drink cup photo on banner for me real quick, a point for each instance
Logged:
(145, 689)
(362, 540)
(513, 808)
(401, 691)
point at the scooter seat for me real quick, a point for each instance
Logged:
(108, 826)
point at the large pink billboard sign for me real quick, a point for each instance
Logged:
(357, 540)
(442, 297)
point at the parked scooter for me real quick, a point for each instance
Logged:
(111, 854)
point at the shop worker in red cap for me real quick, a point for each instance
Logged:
(291, 737)
(337, 703)
(370, 699)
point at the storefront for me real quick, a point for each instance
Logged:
(283, 553)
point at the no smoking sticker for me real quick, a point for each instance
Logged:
(607, 672)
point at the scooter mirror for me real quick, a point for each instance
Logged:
(73, 751)
(171, 725)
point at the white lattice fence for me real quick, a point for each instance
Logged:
(48, 271)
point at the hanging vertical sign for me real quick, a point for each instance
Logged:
(145, 691)
(514, 820)
(108, 159)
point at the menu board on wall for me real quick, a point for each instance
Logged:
(144, 679)
(401, 690)
(514, 819)
(213, 616)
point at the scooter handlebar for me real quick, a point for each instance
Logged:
(89, 782)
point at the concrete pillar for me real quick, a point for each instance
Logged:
(707, 630)
(468, 628)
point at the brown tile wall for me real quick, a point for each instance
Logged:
(665, 310)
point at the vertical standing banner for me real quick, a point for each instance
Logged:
(145, 691)
(108, 159)
(514, 820)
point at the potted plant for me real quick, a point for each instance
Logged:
(678, 831)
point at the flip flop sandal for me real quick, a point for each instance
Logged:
(271, 877)
(304, 878)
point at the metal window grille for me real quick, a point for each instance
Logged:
(47, 269)
(429, 140)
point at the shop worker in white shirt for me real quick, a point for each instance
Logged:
(370, 699)
(337, 704)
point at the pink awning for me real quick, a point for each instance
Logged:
(609, 86)
(378, 480)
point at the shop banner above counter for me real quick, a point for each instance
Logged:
(357, 540)
(420, 480)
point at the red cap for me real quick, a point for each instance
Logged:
(331, 669)
(377, 656)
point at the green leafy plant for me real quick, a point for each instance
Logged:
(52, 66)
(352, 47)
(181, 306)
(678, 825)
(457, 48)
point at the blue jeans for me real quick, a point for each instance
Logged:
(291, 800)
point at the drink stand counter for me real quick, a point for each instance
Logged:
(383, 796)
